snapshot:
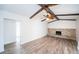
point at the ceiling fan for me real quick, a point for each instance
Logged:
(45, 7)
(50, 14)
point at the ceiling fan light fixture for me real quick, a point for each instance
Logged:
(50, 16)
(48, 19)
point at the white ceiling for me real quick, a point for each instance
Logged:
(29, 9)
(22, 9)
(66, 8)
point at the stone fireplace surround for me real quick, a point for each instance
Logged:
(62, 33)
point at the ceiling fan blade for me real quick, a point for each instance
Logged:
(68, 19)
(43, 20)
(75, 14)
(36, 13)
(63, 19)
(49, 11)
(52, 21)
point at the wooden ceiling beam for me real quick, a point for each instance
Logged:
(43, 20)
(63, 19)
(68, 19)
(53, 21)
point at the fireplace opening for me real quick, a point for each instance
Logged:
(58, 32)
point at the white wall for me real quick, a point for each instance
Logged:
(63, 24)
(7, 25)
(31, 29)
(10, 25)
(1, 36)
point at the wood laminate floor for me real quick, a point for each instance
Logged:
(45, 45)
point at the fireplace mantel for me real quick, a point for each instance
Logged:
(64, 33)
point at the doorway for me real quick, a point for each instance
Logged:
(11, 35)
